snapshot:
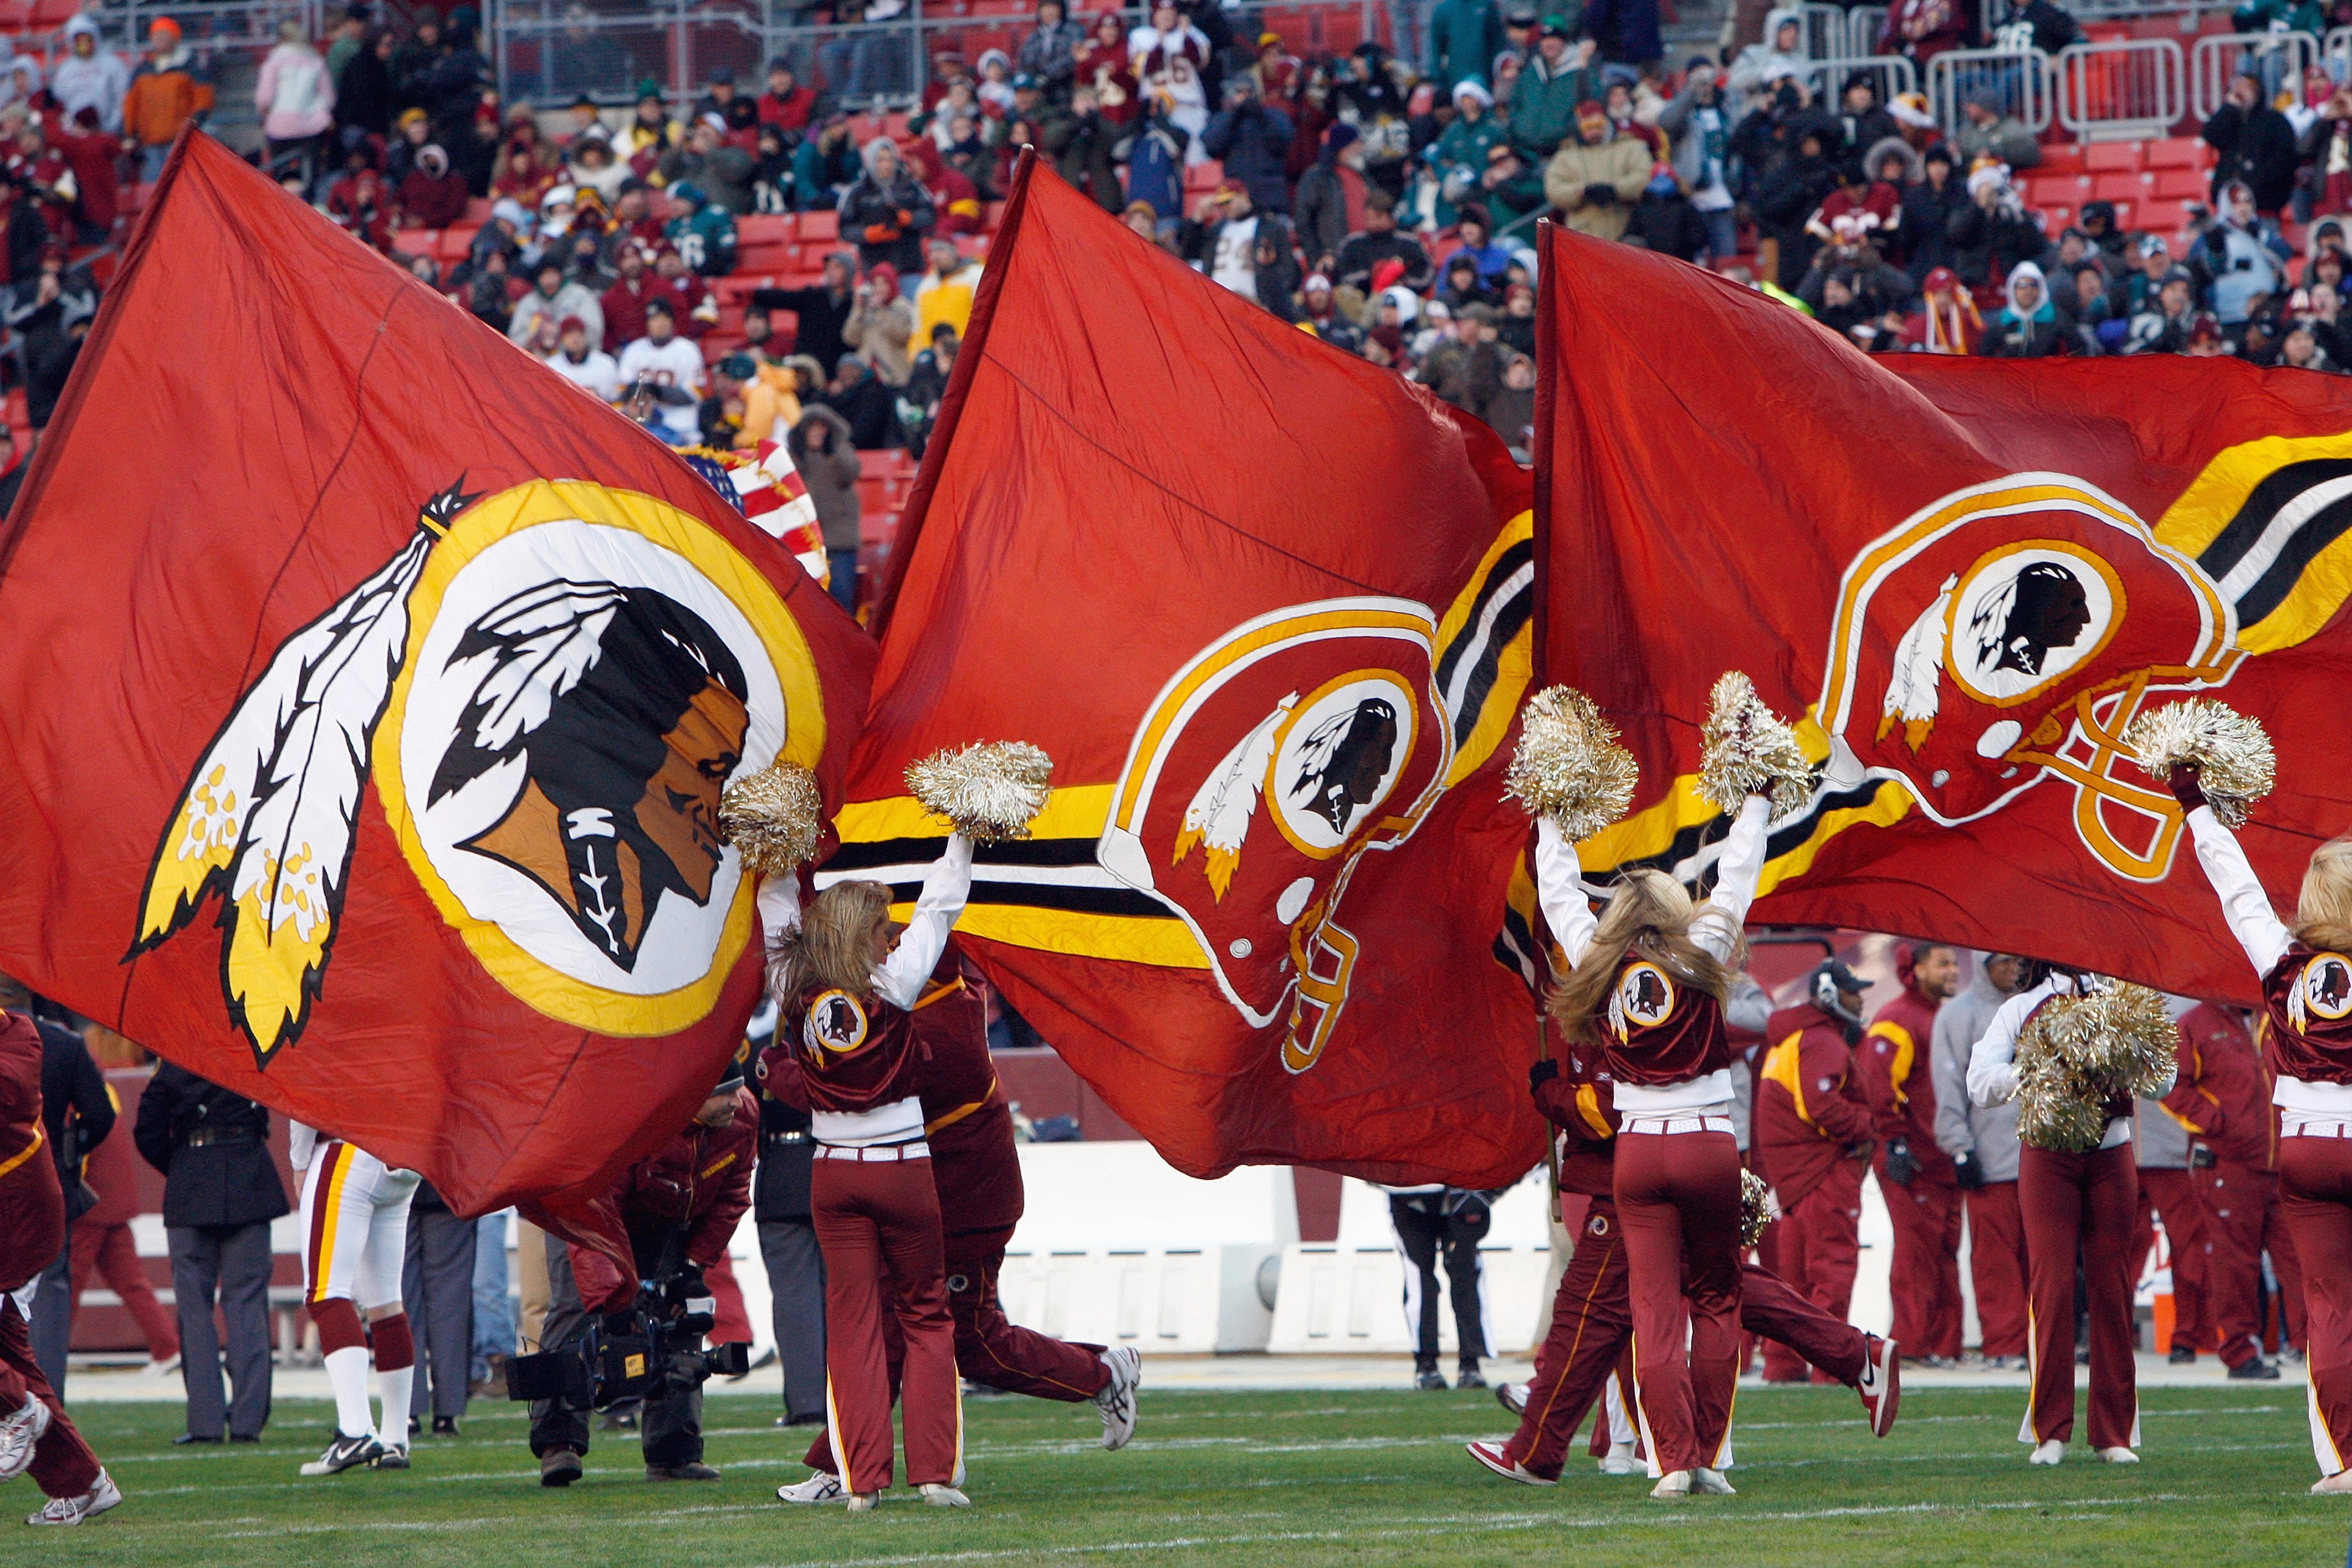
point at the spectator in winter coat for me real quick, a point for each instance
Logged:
(1919, 30)
(2256, 146)
(93, 155)
(1509, 189)
(1465, 36)
(2003, 138)
(880, 327)
(164, 94)
(1460, 155)
(886, 213)
(1331, 188)
(2242, 258)
(1791, 190)
(822, 450)
(2031, 325)
(1080, 142)
(1865, 120)
(559, 300)
(1697, 126)
(89, 75)
(1780, 54)
(1626, 31)
(1945, 323)
(2164, 327)
(824, 166)
(296, 101)
(1594, 180)
(2134, 293)
(2098, 224)
(786, 105)
(1665, 219)
(1050, 53)
(868, 405)
(1992, 234)
(1381, 241)
(430, 194)
(702, 230)
(1545, 102)
(2300, 350)
(1253, 141)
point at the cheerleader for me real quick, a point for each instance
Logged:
(2069, 1198)
(1651, 975)
(845, 1051)
(2306, 975)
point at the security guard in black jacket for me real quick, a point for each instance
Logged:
(221, 1190)
(780, 1203)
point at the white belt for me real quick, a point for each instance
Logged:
(871, 1152)
(1677, 1124)
(2316, 1129)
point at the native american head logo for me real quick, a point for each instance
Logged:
(1644, 998)
(2324, 991)
(1260, 777)
(837, 1021)
(548, 688)
(2005, 635)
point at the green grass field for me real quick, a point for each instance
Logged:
(1277, 1479)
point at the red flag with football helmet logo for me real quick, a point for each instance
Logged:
(1267, 606)
(369, 696)
(1968, 577)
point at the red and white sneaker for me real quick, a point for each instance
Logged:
(20, 1431)
(103, 1495)
(1512, 1396)
(1880, 1387)
(1490, 1454)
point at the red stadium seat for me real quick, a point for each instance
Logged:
(2178, 152)
(416, 241)
(2056, 219)
(477, 210)
(2111, 157)
(2119, 187)
(2180, 184)
(2060, 158)
(824, 227)
(764, 228)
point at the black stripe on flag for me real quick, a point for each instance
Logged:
(2245, 530)
(2270, 590)
(1508, 619)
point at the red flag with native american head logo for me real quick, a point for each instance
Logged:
(1267, 606)
(369, 700)
(1968, 577)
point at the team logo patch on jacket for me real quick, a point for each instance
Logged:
(549, 687)
(837, 1021)
(2323, 990)
(1644, 998)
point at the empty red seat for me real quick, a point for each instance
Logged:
(2060, 158)
(2119, 187)
(757, 228)
(824, 227)
(2180, 184)
(2110, 157)
(2177, 153)
(416, 241)
(2055, 219)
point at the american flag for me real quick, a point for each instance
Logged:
(768, 490)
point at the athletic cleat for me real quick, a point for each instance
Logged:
(19, 1431)
(1432, 1378)
(1468, 1377)
(863, 1502)
(2255, 1371)
(393, 1459)
(444, 1425)
(1512, 1396)
(346, 1454)
(1490, 1454)
(1620, 1461)
(2048, 1453)
(821, 1486)
(2183, 1355)
(557, 1467)
(939, 1496)
(103, 1495)
(2341, 1481)
(694, 1472)
(1117, 1399)
(2119, 1455)
(1711, 1483)
(1673, 1484)
(1882, 1385)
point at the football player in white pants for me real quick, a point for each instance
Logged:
(354, 1242)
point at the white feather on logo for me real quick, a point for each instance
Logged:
(1915, 690)
(269, 812)
(1220, 813)
(540, 644)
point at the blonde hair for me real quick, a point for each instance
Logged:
(2322, 912)
(1649, 914)
(829, 951)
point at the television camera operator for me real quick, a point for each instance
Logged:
(678, 1209)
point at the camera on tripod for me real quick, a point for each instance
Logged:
(655, 1347)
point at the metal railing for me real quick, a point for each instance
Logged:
(1864, 24)
(1890, 74)
(2274, 58)
(2019, 79)
(1820, 31)
(2121, 89)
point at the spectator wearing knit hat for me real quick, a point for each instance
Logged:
(1381, 241)
(1331, 188)
(558, 300)
(1595, 180)
(1664, 220)
(165, 93)
(887, 212)
(1697, 126)
(1253, 139)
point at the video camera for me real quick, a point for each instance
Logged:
(654, 1348)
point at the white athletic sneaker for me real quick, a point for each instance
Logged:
(1117, 1399)
(100, 1497)
(939, 1496)
(1881, 1386)
(1512, 1396)
(863, 1502)
(2048, 1453)
(2341, 1481)
(18, 1432)
(1675, 1484)
(346, 1453)
(821, 1486)
(1489, 1453)
(164, 1368)
(1711, 1483)
(1620, 1461)
(2119, 1455)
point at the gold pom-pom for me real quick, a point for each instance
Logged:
(1757, 1209)
(2078, 1051)
(1745, 747)
(2231, 751)
(990, 791)
(1568, 766)
(773, 817)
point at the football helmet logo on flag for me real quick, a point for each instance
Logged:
(2006, 635)
(550, 689)
(1262, 774)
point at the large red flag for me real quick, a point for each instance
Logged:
(1969, 576)
(1267, 607)
(369, 694)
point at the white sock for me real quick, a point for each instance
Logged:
(347, 1370)
(392, 1388)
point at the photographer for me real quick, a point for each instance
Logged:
(677, 1209)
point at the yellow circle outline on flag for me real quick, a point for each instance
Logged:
(531, 980)
(1408, 705)
(2115, 602)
